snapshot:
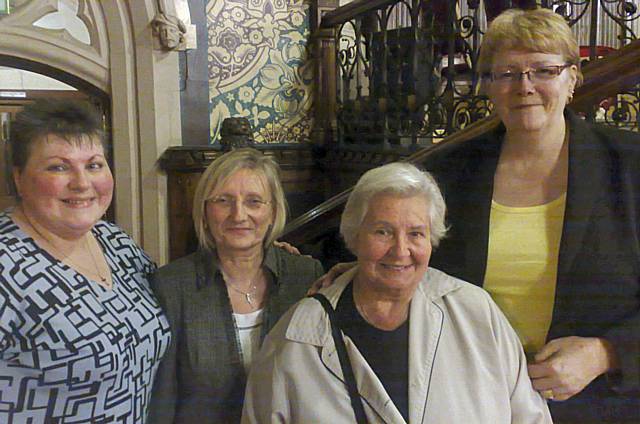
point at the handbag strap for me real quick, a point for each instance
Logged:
(345, 363)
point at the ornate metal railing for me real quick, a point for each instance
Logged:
(405, 69)
(611, 74)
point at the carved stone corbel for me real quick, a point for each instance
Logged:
(170, 31)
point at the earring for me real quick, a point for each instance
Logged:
(570, 98)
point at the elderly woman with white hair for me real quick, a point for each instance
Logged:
(419, 345)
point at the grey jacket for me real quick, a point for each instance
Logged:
(466, 365)
(201, 378)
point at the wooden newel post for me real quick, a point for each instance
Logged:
(323, 51)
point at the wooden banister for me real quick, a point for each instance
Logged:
(352, 10)
(608, 76)
(603, 78)
(328, 209)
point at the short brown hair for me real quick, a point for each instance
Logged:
(73, 121)
(537, 30)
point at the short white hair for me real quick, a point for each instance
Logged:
(399, 178)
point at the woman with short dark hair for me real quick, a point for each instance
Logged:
(81, 334)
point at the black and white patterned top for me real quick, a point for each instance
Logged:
(72, 351)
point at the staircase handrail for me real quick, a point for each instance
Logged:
(351, 11)
(622, 63)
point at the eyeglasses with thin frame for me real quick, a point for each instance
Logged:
(540, 74)
(251, 203)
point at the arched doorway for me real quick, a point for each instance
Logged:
(109, 47)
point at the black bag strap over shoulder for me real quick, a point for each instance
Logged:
(345, 364)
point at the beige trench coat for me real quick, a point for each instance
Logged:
(466, 365)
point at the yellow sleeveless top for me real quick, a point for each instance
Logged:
(522, 265)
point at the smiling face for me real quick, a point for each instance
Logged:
(65, 187)
(393, 246)
(526, 106)
(239, 211)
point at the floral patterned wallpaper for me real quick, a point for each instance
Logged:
(259, 67)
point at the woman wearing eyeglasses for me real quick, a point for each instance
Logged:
(223, 299)
(545, 215)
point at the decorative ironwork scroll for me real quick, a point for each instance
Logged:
(406, 68)
(622, 111)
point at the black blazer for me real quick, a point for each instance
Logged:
(598, 283)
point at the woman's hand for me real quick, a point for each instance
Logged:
(565, 366)
(327, 279)
(286, 246)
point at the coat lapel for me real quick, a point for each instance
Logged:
(587, 175)
(425, 329)
(369, 386)
(479, 192)
(205, 331)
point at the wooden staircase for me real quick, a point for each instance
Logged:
(605, 77)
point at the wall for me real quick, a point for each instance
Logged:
(259, 67)
(194, 81)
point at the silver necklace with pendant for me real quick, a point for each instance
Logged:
(248, 295)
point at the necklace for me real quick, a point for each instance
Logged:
(359, 308)
(248, 295)
(95, 262)
(363, 313)
(66, 256)
(382, 323)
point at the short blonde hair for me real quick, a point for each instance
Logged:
(219, 171)
(538, 30)
(398, 178)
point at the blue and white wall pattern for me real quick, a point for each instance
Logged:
(259, 67)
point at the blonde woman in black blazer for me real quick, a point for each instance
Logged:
(589, 367)
(599, 264)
